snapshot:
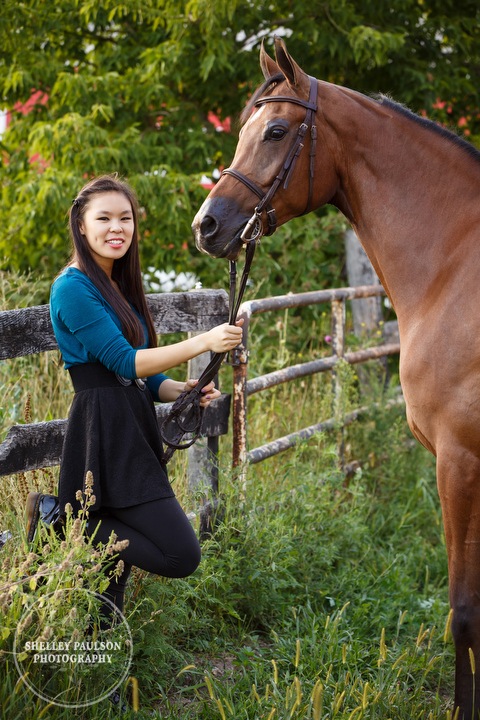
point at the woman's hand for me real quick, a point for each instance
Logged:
(209, 392)
(224, 338)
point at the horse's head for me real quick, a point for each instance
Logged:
(273, 170)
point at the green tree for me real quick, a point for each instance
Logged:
(128, 87)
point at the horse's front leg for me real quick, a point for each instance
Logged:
(458, 474)
(466, 630)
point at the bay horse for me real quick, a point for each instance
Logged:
(410, 189)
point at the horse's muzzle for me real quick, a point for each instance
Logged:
(217, 228)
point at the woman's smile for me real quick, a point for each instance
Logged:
(108, 226)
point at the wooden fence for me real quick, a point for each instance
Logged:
(243, 387)
(28, 331)
(37, 445)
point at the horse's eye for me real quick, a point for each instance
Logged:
(275, 132)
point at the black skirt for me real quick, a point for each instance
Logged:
(112, 431)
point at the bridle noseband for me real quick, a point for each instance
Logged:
(253, 230)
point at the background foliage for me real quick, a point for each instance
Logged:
(130, 86)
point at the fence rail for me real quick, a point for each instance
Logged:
(27, 331)
(243, 387)
(288, 441)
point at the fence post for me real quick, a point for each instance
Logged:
(338, 347)
(239, 359)
(202, 470)
(366, 312)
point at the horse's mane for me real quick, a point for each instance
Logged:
(429, 124)
(269, 84)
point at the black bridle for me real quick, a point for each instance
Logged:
(186, 413)
(255, 225)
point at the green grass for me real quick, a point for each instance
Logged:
(319, 596)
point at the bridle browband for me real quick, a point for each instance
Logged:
(185, 416)
(253, 230)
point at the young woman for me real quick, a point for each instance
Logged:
(108, 344)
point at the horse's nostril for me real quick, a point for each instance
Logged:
(208, 226)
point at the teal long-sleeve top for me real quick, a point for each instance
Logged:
(87, 329)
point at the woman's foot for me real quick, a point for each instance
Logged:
(40, 507)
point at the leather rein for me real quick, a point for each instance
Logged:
(186, 413)
(185, 416)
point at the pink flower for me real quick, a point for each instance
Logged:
(328, 338)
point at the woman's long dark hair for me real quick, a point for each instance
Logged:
(126, 270)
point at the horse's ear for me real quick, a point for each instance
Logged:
(269, 66)
(294, 74)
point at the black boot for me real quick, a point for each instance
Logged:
(41, 507)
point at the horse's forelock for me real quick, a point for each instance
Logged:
(269, 84)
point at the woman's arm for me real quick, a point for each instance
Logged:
(79, 308)
(222, 338)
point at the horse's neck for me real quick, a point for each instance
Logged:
(407, 191)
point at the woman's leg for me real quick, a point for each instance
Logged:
(161, 538)
(115, 591)
(161, 541)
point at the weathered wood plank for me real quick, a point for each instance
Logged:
(29, 330)
(25, 331)
(202, 467)
(30, 446)
(191, 311)
(37, 445)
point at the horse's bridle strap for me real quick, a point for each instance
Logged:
(271, 216)
(245, 180)
(287, 167)
(288, 98)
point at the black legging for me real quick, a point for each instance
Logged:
(161, 541)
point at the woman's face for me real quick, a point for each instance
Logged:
(108, 226)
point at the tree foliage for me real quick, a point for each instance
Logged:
(129, 87)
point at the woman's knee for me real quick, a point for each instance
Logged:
(187, 560)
